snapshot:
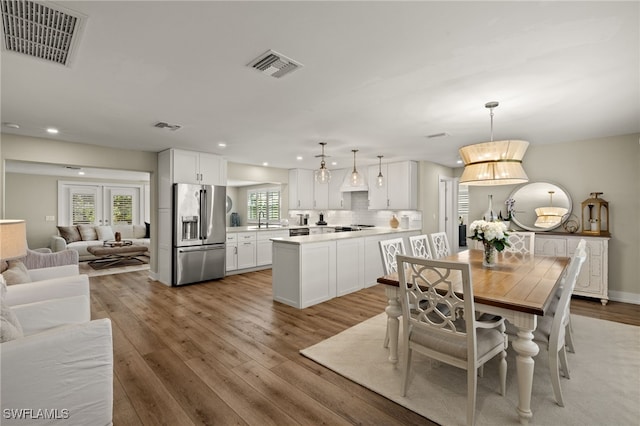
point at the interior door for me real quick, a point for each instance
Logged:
(447, 217)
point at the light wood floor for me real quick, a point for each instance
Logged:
(225, 353)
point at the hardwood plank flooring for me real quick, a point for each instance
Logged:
(225, 353)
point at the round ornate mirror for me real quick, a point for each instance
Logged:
(229, 204)
(540, 206)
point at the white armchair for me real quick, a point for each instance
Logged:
(64, 362)
(52, 288)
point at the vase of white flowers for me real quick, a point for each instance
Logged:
(493, 236)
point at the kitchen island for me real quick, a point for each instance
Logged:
(311, 269)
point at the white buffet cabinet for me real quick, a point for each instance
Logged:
(312, 269)
(593, 279)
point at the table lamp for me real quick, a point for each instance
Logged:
(13, 239)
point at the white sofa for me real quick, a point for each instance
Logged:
(135, 233)
(64, 362)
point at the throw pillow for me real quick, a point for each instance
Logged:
(69, 233)
(105, 233)
(17, 273)
(147, 233)
(10, 328)
(88, 232)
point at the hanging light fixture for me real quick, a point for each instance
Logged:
(322, 175)
(548, 217)
(380, 179)
(356, 178)
(494, 162)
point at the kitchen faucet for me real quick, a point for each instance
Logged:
(260, 214)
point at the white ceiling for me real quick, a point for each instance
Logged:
(377, 76)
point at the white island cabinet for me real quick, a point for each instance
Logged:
(308, 270)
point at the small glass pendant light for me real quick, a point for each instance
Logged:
(322, 175)
(356, 178)
(380, 179)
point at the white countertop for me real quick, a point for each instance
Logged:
(275, 227)
(332, 236)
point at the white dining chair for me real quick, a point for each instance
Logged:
(453, 336)
(389, 249)
(521, 242)
(440, 245)
(552, 328)
(420, 246)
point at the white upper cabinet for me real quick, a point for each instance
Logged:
(300, 189)
(400, 188)
(198, 168)
(338, 200)
(321, 195)
(305, 193)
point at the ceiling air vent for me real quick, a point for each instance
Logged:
(47, 32)
(274, 64)
(163, 125)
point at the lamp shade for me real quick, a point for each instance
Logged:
(494, 163)
(13, 239)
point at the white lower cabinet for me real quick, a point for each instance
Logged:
(246, 250)
(309, 273)
(264, 247)
(232, 252)
(593, 280)
(349, 265)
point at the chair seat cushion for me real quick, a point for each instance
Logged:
(487, 340)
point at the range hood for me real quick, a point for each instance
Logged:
(347, 187)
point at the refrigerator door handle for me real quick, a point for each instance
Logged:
(201, 248)
(204, 219)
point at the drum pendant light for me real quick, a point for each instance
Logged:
(322, 175)
(494, 162)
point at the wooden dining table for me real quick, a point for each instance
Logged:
(519, 288)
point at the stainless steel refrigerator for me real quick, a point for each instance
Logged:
(200, 233)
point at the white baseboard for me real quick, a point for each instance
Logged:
(625, 297)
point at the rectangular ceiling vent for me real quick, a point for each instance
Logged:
(48, 32)
(274, 64)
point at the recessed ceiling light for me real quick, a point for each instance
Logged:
(299, 157)
(334, 163)
(12, 125)
(265, 164)
(222, 145)
(81, 173)
(459, 162)
(52, 130)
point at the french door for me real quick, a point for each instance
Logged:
(95, 204)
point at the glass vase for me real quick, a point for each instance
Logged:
(490, 253)
(489, 215)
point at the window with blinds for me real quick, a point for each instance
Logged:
(83, 208)
(122, 210)
(264, 202)
(463, 203)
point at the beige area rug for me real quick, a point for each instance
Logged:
(604, 388)
(131, 266)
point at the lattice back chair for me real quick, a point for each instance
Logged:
(420, 246)
(521, 242)
(582, 246)
(452, 336)
(552, 328)
(389, 249)
(440, 245)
